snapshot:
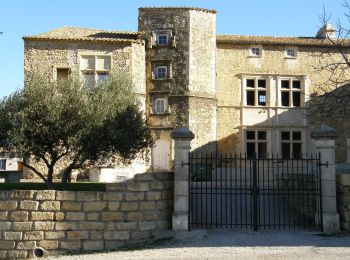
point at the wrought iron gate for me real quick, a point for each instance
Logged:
(233, 191)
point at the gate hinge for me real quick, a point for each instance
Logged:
(324, 164)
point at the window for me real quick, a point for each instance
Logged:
(256, 92)
(291, 144)
(161, 72)
(290, 93)
(159, 106)
(291, 52)
(62, 73)
(255, 51)
(2, 164)
(256, 143)
(95, 69)
(162, 39)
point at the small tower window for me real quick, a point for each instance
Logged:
(162, 39)
(159, 106)
(3, 164)
(161, 72)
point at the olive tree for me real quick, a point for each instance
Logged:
(50, 122)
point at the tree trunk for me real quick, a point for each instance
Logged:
(66, 177)
(50, 175)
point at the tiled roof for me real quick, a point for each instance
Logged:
(159, 8)
(278, 40)
(85, 34)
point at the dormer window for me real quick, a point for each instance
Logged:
(162, 39)
(255, 51)
(291, 52)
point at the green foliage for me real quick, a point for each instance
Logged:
(52, 121)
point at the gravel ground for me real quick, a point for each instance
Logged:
(224, 244)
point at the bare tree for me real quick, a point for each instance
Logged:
(331, 102)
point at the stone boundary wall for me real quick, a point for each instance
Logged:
(63, 221)
(343, 200)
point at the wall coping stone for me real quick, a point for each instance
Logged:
(324, 132)
(182, 133)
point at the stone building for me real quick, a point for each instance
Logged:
(236, 93)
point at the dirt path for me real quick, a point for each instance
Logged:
(238, 245)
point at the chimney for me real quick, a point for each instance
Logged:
(327, 31)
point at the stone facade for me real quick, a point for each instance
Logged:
(189, 55)
(188, 75)
(62, 221)
(343, 200)
(235, 65)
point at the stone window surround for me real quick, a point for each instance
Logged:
(166, 105)
(256, 140)
(59, 66)
(256, 89)
(159, 106)
(95, 70)
(273, 87)
(291, 90)
(303, 140)
(161, 72)
(162, 39)
(288, 50)
(253, 48)
(161, 64)
(292, 141)
(157, 33)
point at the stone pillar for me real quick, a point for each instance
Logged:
(347, 150)
(182, 137)
(325, 145)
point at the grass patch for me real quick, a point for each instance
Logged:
(76, 186)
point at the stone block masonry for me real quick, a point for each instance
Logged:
(64, 221)
(343, 200)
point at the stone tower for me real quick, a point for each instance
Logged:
(180, 76)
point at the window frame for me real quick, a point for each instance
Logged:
(291, 90)
(155, 110)
(288, 56)
(252, 53)
(161, 35)
(3, 164)
(95, 71)
(156, 74)
(257, 90)
(291, 141)
(256, 141)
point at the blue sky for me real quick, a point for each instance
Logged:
(246, 17)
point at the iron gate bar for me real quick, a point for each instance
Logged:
(249, 202)
(320, 210)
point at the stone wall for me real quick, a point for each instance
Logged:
(190, 58)
(234, 64)
(343, 200)
(62, 221)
